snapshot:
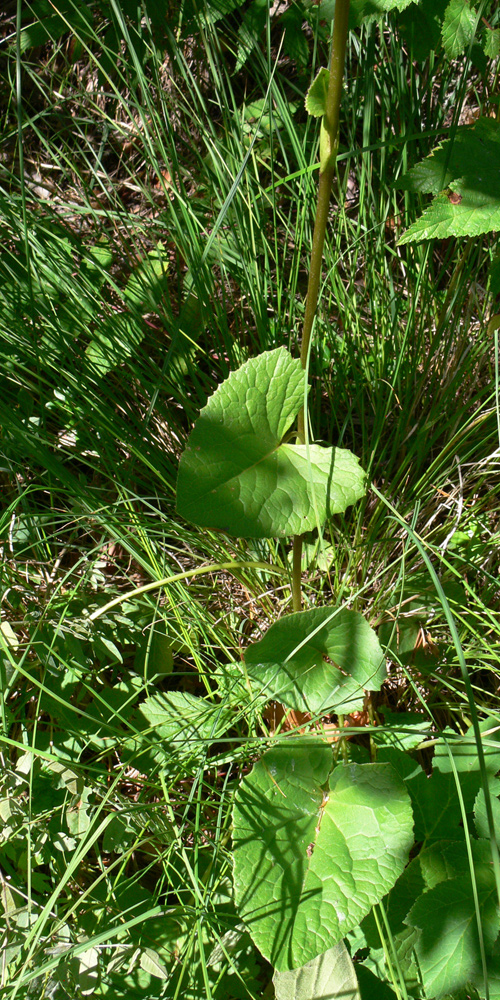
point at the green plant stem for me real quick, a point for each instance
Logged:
(330, 125)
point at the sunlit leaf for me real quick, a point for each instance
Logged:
(329, 975)
(318, 660)
(236, 473)
(314, 850)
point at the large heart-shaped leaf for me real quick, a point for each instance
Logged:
(319, 660)
(314, 851)
(235, 473)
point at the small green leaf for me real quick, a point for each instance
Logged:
(62, 842)
(183, 723)
(150, 962)
(66, 778)
(235, 473)
(421, 26)
(114, 341)
(148, 283)
(253, 23)
(458, 27)
(318, 661)
(101, 255)
(438, 863)
(106, 649)
(154, 656)
(88, 971)
(435, 805)
(78, 813)
(399, 638)
(312, 856)
(118, 835)
(480, 815)
(492, 43)
(329, 975)
(316, 95)
(8, 637)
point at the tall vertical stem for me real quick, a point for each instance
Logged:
(330, 127)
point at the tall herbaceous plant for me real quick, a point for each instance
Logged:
(320, 838)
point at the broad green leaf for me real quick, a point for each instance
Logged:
(438, 863)
(448, 945)
(480, 815)
(493, 980)
(492, 43)
(235, 473)
(62, 842)
(148, 283)
(435, 805)
(253, 23)
(114, 341)
(8, 637)
(316, 95)
(294, 40)
(329, 975)
(49, 26)
(150, 962)
(154, 655)
(421, 27)
(118, 835)
(466, 181)
(318, 661)
(472, 214)
(458, 27)
(400, 760)
(88, 971)
(364, 9)
(79, 813)
(217, 9)
(183, 723)
(314, 851)
(465, 758)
